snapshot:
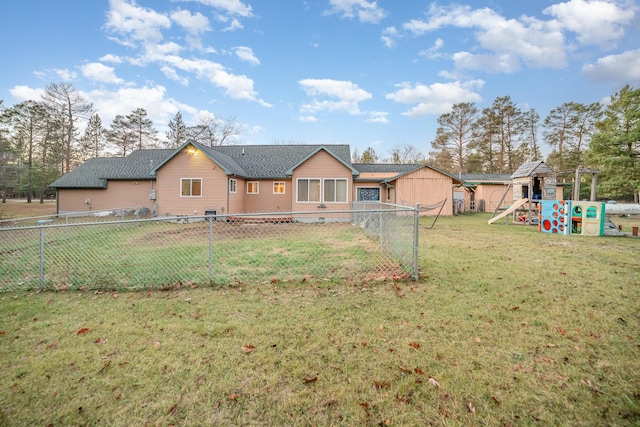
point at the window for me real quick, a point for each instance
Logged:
(335, 190)
(253, 187)
(309, 190)
(368, 194)
(278, 188)
(233, 185)
(191, 187)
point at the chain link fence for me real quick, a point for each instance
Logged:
(373, 242)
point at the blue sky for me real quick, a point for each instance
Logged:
(361, 72)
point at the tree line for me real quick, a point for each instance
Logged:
(40, 140)
(499, 138)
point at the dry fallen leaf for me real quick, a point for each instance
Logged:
(173, 410)
(434, 382)
(248, 348)
(414, 345)
(592, 386)
(308, 380)
(83, 331)
(471, 408)
(234, 396)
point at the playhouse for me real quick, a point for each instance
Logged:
(531, 183)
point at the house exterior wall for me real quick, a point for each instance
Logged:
(236, 200)
(194, 164)
(267, 200)
(321, 166)
(118, 194)
(426, 187)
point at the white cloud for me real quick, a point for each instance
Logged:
(595, 21)
(621, 69)
(114, 59)
(378, 117)
(389, 36)
(335, 88)
(436, 98)
(434, 51)
(231, 7)
(128, 20)
(172, 74)
(25, 93)
(366, 11)
(100, 72)
(307, 119)
(195, 24)
(528, 40)
(345, 95)
(246, 54)
(504, 63)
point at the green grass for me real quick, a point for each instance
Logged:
(156, 254)
(506, 326)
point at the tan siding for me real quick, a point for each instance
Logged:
(236, 200)
(118, 194)
(321, 165)
(266, 201)
(426, 187)
(491, 194)
(196, 165)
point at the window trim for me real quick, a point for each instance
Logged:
(335, 180)
(191, 180)
(235, 185)
(277, 183)
(298, 190)
(257, 183)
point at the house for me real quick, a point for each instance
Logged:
(197, 179)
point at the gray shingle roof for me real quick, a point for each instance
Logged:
(274, 161)
(532, 169)
(484, 177)
(94, 173)
(249, 161)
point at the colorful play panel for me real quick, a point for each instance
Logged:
(571, 217)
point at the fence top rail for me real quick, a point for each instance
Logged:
(222, 217)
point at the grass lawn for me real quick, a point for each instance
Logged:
(506, 326)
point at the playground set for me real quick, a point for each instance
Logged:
(536, 202)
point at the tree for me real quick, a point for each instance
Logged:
(405, 154)
(568, 130)
(484, 140)
(177, 134)
(27, 122)
(509, 126)
(212, 131)
(455, 133)
(94, 141)
(615, 148)
(121, 136)
(369, 156)
(65, 99)
(142, 129)
(531, 120)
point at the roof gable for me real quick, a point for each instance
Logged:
(537, 168)
(344, 162)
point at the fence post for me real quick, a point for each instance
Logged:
(416, 240)
(210, 251)
(41, 223)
